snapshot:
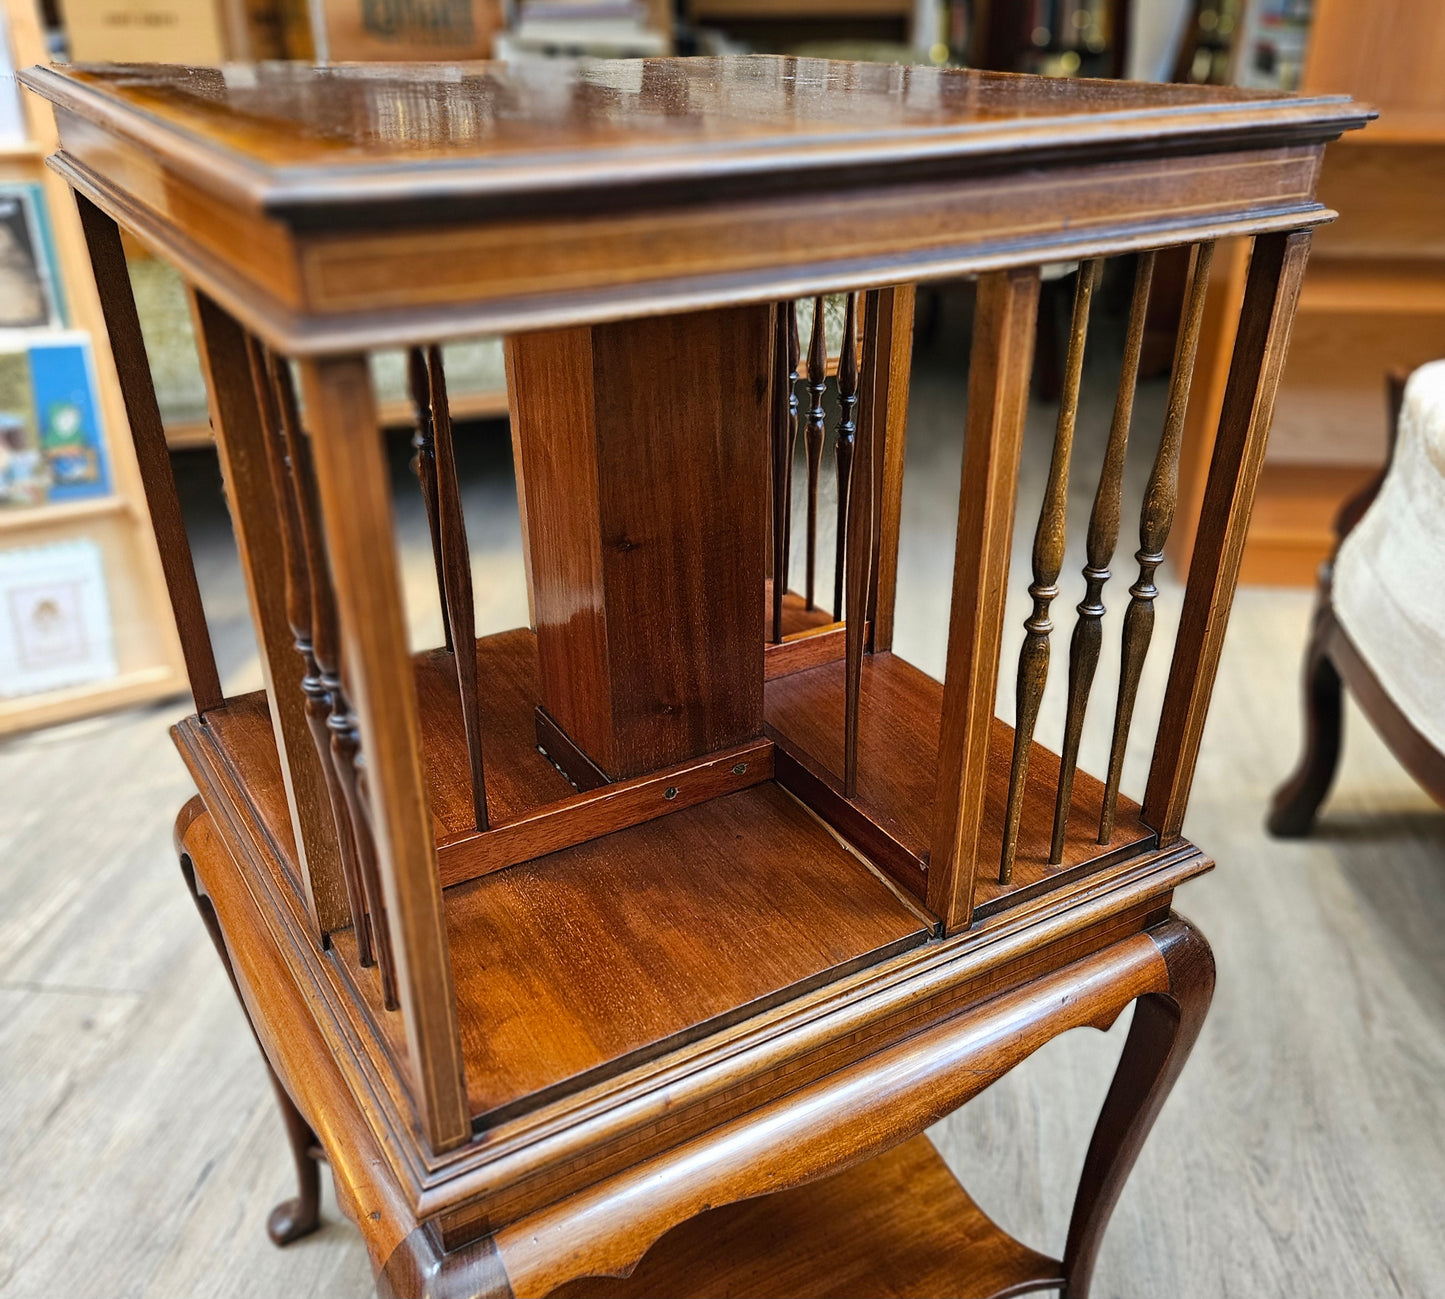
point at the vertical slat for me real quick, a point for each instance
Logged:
(782, 452)
(117, 303)
(423, 441)
(813, 436)
(859, 549)
(1270, 295)
(890, 424)
(356, 514)
(241, 446)
(333, 726)
(301, 601)
(1103, 537)
(1048, 559)
(1156, 518)
(847, 436)
(456, 567)
(998, 390)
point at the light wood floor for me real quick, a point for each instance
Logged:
(1303, 1153)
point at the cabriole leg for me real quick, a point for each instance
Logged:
(1160, 1038)
(1297, 802)
(294, 1218)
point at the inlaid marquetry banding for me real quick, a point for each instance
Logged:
(1103, 537)
(1156, 518)
(1048, 559)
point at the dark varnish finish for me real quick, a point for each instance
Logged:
(813, 436)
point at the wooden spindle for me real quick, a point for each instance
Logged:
(300, 613)
(424, 463)
(1103, 537)
(1156, 518)
(794, 408)
(847, 434)
(457, 579)
(859, 554)
(782, 454)
(813, 436)
(1048, 559)
(343, 739)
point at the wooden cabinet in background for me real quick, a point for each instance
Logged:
(1373, 299)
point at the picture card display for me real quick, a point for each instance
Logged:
(55, 628)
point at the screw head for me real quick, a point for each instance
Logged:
(739, 768)
(670, 792)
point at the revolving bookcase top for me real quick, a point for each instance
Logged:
(692, 890)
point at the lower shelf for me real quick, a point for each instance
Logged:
(898, 1225)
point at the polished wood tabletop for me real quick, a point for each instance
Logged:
(287, 135)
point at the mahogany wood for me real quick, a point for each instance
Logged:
(240, 443)
(1275, 271)
(418, 381)
(998, 389)
(890, 421)
(898, 1225)
(554, 744)
(1103, 536)
(855, 531)
(456, 566)
(1156, 517)
(647, 547)
(844, 446)
(350, 471)
(891, 818)
(668, 1013)
(122, 325)
(1048, 559)
(813, 436)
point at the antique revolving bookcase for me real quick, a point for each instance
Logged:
(631, 951)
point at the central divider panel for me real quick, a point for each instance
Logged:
(644, 466)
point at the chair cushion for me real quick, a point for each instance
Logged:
(1389, 579)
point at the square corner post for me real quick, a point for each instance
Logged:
(355, 496)
(1271, 292)
(998, 393)
(644, 464)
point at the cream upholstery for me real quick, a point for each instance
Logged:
(1389, 579)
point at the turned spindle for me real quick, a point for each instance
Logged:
(457, 579)
(424, 464)
(813, 435)
(1156, 518)
(847, 436)
(343, 738)
(1103, 537)
(1048, 559)
(300, 614)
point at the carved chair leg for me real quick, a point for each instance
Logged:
(1160, 1039)
(1296, 802)
(294, 1218)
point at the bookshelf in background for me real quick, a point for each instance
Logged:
(85, 623)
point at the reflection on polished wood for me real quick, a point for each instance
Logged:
(686, 896)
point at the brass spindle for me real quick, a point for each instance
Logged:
(1103, 537)
(1156, 518)
(300, 603)
(424, 463)
(343, 740)
(1048, 559)
(847, 430)
(457, 579)
(813, 436)
(859, 554)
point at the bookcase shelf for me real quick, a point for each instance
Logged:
(147, 649)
